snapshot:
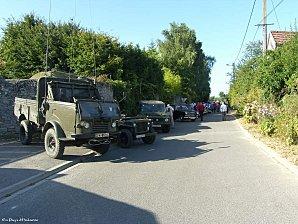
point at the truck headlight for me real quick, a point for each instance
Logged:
(166, 120)
(85, 124)
(114, 125)
(134, 124)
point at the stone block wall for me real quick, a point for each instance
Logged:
(11, 88)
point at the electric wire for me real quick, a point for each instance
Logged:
(258, 26)
(275, 14)
(243, 39)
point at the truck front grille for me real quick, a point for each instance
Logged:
(142, 127)
(100, 127)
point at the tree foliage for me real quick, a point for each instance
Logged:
(177, 66)
(270, 81)
(182, 53)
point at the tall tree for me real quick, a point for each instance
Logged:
(182, 53)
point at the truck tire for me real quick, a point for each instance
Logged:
(26, 132)
(101, 149)
(54, 147)
(166, 128)
(149, 139)
(125, 138)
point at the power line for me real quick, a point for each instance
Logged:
(275, 14)
(253, 7)
(266, 17)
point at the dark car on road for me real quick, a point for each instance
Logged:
(156, 112)
(184, 112)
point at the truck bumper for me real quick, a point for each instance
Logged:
(145, 135)
(86, 136)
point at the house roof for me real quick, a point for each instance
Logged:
(281, 37)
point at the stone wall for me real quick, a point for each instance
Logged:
(11, 88)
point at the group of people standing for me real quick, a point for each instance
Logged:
(214, 107)
(200, 108)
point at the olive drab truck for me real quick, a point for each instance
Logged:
(128, 128)
(66, 111)
(156, 112)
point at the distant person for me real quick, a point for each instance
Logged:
(214, 107)
(223, 110)
(200, 109)
(170, 111)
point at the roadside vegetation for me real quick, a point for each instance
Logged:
(264, 90)
(174, 66)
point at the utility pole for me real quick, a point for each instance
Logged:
(264, 26)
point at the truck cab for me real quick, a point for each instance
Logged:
(66, 111)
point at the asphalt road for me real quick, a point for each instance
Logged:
(207, 172)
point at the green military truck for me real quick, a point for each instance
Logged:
(66, 111)
(128, 128)
(155, 110)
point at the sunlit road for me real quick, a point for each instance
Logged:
(205, 172)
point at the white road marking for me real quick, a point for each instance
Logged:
(6, 143)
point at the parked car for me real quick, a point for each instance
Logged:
(184, 112)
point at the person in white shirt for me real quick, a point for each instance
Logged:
(170, 111)
(223, 109)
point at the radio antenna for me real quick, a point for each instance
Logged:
(47, 48)
(93, 36)
(72, 36)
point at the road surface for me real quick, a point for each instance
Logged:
(201, 172)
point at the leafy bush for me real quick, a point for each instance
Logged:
(267, 126)
(287, 121)
(250, 112)
(265, 90)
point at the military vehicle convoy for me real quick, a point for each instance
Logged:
(66, 111)
(155, 111)
(128, 128)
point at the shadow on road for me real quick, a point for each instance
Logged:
(53, 202)
(11, 176)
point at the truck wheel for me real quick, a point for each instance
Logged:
(149, 139)
(54, 147)
(125, 139)
(166, 128)
(101, 149)
(26, 132)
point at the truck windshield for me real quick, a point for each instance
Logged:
(67, 92)
(90, 109)
(184, 108)
(153, 108)
(110, 110)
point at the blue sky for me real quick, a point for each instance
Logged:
(219, 24)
